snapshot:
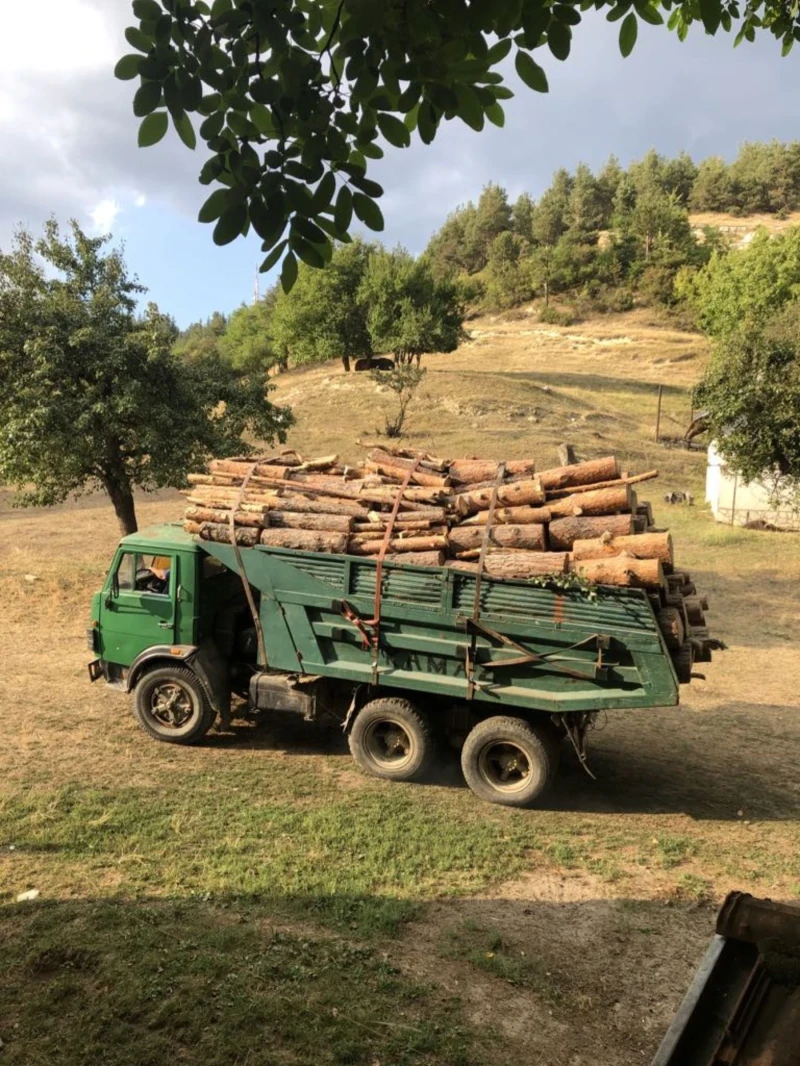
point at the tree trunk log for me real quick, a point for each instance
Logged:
(231, 467)
(304, 540)
(330, 523)
(621, 570)
(247, 538)
(220, 516)
(465, 538)
(639, 546)
(623, 479)
(587, 473)
(431, 514)
(603, 501)
(398, 545)
(517, 564)
(510, 516)
(514, 494)
(319, 505)
(563, 532)
(396, 466)
(472, 471)
(431, 558)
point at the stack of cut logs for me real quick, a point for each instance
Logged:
(583, 519)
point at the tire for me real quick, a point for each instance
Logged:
(181, 697)
(510, 761)
(391, 739)
(683, 660)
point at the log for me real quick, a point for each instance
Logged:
(331, 523)
(512, 495)
(470, 471)
(241, 470)
(563, 532)
(587, 473)
(531, 537)
(374, 529)
(220, 517)
(620, 570)
(623, 479)
(369, 536)
(516, 564)
(603, 501)
(510, 516)
(399, 544)
(433, 462)
(324, 462)
(639, 546)
(223, 503)
(305, 540)
(432, 558)
(431, 514)
(319, 505)
(192, 527)
(247, 538)
(396, 466)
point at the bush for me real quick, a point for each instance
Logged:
(403, 380)
(556, 316)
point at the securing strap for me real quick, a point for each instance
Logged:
(262, 647)
(476, 606)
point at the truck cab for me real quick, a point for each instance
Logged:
(167, 625)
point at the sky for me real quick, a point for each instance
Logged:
(68, 140)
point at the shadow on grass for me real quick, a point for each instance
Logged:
(564, 379)
(661, 761)
(258, 980)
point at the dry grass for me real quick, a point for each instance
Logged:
(596, 906)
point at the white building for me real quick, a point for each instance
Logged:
(740, 502)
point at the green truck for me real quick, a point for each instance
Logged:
(406, 658)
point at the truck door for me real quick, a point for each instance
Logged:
(139, 607)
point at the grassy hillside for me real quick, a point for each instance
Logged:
(255, 901)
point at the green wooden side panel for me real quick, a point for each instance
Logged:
(599, 652)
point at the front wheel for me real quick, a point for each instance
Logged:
(391, 739)
(171, 705)
(509, 761)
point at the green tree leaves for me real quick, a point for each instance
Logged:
(297, 97)
(153, 129)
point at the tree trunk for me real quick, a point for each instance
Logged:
(475, 471)
(640, 546)
(510, 516)
(516, 564)
(400, 545)
(530, 537)
(603, 501)
(121, 496)
(620, 570)
(563, 532)
(346, 363)
(562, 477)
(510, 495)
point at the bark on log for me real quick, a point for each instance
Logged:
(324, 462)
(219, 516)
(563, 532)
(517, 564)
(433, 462)
(531, 537)
(431, 514)
(603, 501)
(305, 540)
(623, 479)
(639, 546)
(319, 505)
(621, 570)
(370, 537)
(192, 527)
(399, 544)
(471, 471)
(241, 470)
(247, 538)
(510, 516)
(591, 471)
(431, 558)
(222, 503)
(331, 523)
(374, 529)
(396, 466)
(514, 494)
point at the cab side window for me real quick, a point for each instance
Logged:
(150, 574)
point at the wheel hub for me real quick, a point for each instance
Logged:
(505, 766)
(388, 742)
(171, 705)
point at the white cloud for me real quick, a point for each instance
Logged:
(140, 200)
(104, 215)
(73, 36)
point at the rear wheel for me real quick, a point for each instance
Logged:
(171, 705)
(391, 739)
(510, 761)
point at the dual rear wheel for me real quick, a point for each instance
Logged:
(504, 759)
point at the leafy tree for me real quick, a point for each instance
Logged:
(712, 187)
(492, 217)
(607, 184)
(679, 176)
(294, 96)
(584, 213)
(522, 216)
(403, 380)
(93, 394)
(322, 317)
(247, 343)
(659, 221)
(751, 390)
(407, 311)
(550, 217)
(507, 272)
(447, 249)
(201, 338)
(745, 288)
